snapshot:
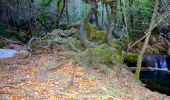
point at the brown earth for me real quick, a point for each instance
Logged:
(48, 76)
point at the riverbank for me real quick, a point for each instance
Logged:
(47, 75)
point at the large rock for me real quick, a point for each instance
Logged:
(23, 54)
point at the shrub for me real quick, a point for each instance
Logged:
(73, 43)
(1, 44)
(100, 54)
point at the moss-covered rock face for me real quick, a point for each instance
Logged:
(93, 33)
(56, 37)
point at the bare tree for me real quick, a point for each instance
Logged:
(152, 24)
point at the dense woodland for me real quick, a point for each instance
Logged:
(101, 33)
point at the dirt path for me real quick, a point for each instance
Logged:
(47, 76)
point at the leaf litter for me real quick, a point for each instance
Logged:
(47, 76)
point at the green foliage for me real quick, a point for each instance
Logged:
(54, 33)
(116, 60)
(131, 57)
(6, 34)
(59, 4)
(138, 14)
(145, 7)
(22, 36)
(50, 38)
(78, 13)
(100, 54)
(45, 3)
(152, 51)
(55, 38)
(142, 12)
(73, 43)
(99, 57)
(1, 43)
(93, 33)
(43, 17)
(140, 45)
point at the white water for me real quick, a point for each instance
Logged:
(156, 65)
(7, 53)
(163, 64)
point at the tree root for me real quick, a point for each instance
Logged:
(30, 43)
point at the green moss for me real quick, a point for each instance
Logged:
(50, 38)
(22, 54)
(131, 57)
(100, 54)
(53, 34)
(93, 33)
(55, 37)
(73, 43)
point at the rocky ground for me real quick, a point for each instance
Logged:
(48, 75)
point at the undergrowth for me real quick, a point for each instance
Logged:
(55, 38)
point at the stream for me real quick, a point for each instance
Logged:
(158, 78)
(156, 81)
(7, 53)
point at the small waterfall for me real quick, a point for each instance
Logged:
(156, 79)
(163, 63)
(156, 61)
(156, 65)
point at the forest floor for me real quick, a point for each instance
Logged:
(48, 76)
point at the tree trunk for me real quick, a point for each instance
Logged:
(83, 34)
(67, 13)
(139, 62)
(61, 13)
(110, 26)
(9, 16)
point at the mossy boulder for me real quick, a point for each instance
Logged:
(23, 54)
(93, 33)
(56, 37)
(46, 40)
(73, 43)
(131, 57)
(100, 54)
